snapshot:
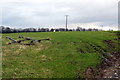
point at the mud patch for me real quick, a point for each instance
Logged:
(110, 65)
(90, 73)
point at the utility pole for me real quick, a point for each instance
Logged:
(66, 17)
(102, 27)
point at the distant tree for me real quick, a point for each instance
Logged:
(70, 30)
(52, 30)
(89, 29)
(44, 29)
(83, 29)
(39, 30)
(79, 29)
(8, 30)
(56, 29)
(26, 30)
(62, 29)
(14, 31)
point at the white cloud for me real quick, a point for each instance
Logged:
(48, 13)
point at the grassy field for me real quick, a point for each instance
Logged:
(66, 55)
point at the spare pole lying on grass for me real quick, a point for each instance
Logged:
(33, 40)
(13, 40)
(39, 40)
(25, 39)
(19, 41)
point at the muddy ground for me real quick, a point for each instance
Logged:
(110, 66)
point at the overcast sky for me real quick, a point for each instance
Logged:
(51, 13)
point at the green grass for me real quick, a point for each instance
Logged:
(66, 55)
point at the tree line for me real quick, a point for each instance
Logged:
(4, 29)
